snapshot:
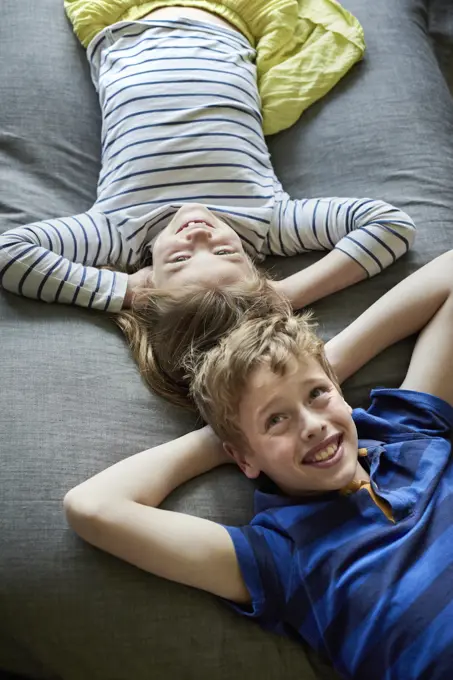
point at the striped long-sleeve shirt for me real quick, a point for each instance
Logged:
(181, 123)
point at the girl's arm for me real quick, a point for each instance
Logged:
(365, 237)
(332, 273)
(116, 511)
(57, 260)
(404, 310)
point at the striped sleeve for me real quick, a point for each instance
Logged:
(265, 558)
(56, 261)
(372, 233)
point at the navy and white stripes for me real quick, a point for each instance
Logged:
(47, 261)
(182, 123)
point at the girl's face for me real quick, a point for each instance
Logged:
(196, 247)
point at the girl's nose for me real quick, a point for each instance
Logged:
(200, 233)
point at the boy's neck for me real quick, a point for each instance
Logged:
(267, 485)
(361, 475)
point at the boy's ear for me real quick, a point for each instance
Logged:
(242, 459)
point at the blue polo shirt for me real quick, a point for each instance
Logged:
(373, 594)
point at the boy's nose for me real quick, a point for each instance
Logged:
(312, 426)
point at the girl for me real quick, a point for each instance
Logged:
(187, 183)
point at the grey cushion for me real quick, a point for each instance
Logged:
(440, 23)
(71, 398)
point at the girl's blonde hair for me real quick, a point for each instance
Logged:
(163, 327)
(220, 378)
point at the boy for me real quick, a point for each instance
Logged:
(351, 546)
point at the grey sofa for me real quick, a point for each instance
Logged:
(72, 401)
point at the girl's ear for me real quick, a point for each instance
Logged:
(243, 459)
(149, 277)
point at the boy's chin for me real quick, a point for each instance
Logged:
(326, 482)
(345, 475)
(329, 486)
(342, 479)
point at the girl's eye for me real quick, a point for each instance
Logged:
(224, 252)
(181, 258)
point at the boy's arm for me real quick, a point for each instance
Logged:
(115, 511)
(365, 235)
(57, 261)
(402, 311)
(431, 366)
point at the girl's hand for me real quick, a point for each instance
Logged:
(138, 282)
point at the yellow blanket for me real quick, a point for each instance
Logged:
(304, 47)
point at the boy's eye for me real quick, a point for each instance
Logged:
(223, 251)
(317, 392)
(181, 258)
(274, 420)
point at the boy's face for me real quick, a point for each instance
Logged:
(299, 429)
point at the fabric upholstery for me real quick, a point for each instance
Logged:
(71, 398)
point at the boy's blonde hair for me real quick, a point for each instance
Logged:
(163, 327)
(220, 378)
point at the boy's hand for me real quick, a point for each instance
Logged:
(401, 312)
(336, 359)
(209, 445)
(216, 447)
(138, 282)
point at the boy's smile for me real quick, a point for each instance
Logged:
(299, 430)
(325, 454)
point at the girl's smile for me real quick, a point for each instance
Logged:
(194, 223)
(198, 248)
